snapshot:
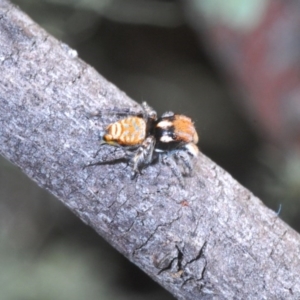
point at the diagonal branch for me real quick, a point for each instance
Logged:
(211, 240)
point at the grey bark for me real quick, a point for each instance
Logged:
(211, 240)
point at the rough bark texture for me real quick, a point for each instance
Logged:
(211, 240)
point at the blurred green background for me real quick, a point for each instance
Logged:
(149, 50)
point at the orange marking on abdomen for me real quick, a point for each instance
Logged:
(127, 132)
(116, 130)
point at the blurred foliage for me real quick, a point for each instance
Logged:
(146, 48)
(241, 14)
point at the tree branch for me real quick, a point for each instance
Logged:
(211, 240)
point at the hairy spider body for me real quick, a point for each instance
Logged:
(172, 137)
(130, 131)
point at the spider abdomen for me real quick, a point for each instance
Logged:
(130, 131)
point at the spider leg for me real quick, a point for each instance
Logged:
(192, 149)
(169, 160)
(149, 112)
(167, 114)
(122, 112)
(143, 155)
(185, 157)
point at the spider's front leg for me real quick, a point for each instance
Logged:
(143, 155)
(168, 159)
(186, 154)
(186, 159)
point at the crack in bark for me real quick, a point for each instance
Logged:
(152, 234)
(199, 255)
